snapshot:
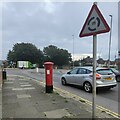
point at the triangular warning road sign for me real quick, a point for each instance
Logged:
(95, 23)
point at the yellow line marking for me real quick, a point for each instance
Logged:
(116, 115)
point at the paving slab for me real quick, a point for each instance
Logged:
(26, 98)
(58, 113)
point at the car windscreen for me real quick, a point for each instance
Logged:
(104, 71)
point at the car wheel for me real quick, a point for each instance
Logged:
(87, 87)
(63, 81)
(118, 78)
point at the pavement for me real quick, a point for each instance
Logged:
(24, 97)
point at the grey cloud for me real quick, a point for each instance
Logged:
(44, 24)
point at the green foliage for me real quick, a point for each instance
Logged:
(58, 56)
(87, 61)
(29, 52)
(77, 63)
(25, 52)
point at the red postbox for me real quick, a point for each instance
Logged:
(49, 76)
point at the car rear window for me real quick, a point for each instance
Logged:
(114, 70)
(104, 71)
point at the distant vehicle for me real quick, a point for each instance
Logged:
(117, 74)
(83, 76)
(24, 64)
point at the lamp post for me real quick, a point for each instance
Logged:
(73, 50)
(118, 60)
(110, 41)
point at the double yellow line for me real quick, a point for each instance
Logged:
(115, 115)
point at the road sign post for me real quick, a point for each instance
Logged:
(94, 76)
(94, 24)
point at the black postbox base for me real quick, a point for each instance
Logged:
(49, 89)
(4, 77)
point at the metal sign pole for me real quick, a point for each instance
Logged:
(94, 76)
(94, 24)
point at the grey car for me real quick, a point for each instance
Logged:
(83, 76)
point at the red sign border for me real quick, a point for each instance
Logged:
(101, 17)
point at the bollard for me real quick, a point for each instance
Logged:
(37, 70)
(49, 76)
(4, 77)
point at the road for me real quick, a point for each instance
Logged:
(105, 98)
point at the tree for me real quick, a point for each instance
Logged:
(87, 61)
(100, 61)
(77, 63)
(25, 52)
(59, 56)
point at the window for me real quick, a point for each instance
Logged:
(88, 71)
(104, 71)
(74, 71)
(83, 71)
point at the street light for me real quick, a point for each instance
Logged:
(73, 50)
(110, 41)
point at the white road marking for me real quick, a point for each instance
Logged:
(17, 89)
(8, 82)
(27, 85)
(28, 88)
(23, 96)
(24, 83)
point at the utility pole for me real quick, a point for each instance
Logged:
(118, 65)
(110, 42)
(73, 50)
(118, 60)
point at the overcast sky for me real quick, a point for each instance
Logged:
(46, 23)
